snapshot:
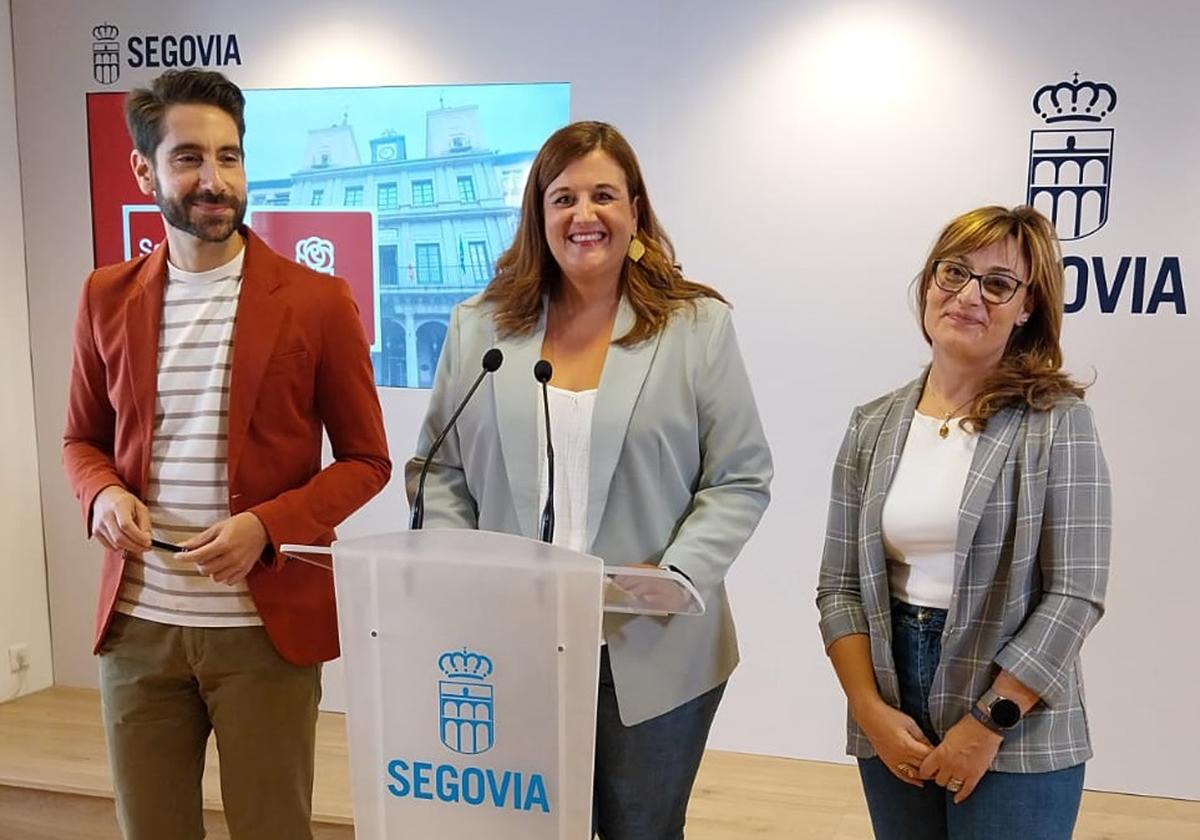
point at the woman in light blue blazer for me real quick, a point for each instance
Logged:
(661, 458)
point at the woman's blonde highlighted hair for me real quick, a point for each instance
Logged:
(1030, 371)
(654, 284)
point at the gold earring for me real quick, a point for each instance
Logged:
(636, 249)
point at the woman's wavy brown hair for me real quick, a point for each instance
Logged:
(654, 285)
(1030, 370)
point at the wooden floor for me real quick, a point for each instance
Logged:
(54, 773)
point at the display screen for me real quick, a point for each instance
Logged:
(408, 193)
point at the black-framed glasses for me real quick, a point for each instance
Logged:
(994, 286)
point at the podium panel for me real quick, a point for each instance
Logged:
(471, 661)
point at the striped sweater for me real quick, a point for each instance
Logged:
(187, 489)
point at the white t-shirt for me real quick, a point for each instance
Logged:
(920, 514)
(188, 486)
(571, 431)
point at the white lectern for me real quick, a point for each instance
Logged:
(471, 663)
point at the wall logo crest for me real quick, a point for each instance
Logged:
(106, 54)
(1070, 165)
(1070, 182)
(159, 51)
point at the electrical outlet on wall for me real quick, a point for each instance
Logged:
(18, 658)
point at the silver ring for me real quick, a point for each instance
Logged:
(906, 769)
(954, 785)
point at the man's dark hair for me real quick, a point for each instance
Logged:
(146, 107)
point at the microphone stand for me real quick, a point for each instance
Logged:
(491, 362)
(542, 371)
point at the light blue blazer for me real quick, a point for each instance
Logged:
(679, 476)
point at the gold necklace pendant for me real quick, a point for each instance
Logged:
(944, 429)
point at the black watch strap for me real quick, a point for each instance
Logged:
(986, 719)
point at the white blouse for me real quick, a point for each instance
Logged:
(920, 514)
(571, 431)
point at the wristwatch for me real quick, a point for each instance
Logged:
(998, 714)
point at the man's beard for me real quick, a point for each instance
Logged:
(177, 213)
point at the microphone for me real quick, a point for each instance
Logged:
(542, 371)
(491, 363)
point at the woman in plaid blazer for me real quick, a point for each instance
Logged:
(966, 553)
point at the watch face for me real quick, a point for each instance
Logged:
(1005, 713)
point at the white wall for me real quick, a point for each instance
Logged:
(24, 611)
(811, 166)
(803, 156)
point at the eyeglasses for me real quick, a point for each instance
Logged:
(994, 287)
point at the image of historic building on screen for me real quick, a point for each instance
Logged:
(443, 217)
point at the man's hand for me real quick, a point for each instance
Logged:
(227, 551)
(120, 522)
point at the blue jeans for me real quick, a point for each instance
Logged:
(644, 772)
(1029, 806)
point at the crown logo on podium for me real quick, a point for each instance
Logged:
(1074, 101)
(466, 703)
(105, 32)
(465, 665)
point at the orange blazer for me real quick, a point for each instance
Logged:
(300, 364)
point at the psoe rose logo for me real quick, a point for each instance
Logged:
(316, 253)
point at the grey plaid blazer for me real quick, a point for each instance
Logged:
(1030, 571)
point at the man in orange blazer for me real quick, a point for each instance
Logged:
(203, 377)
